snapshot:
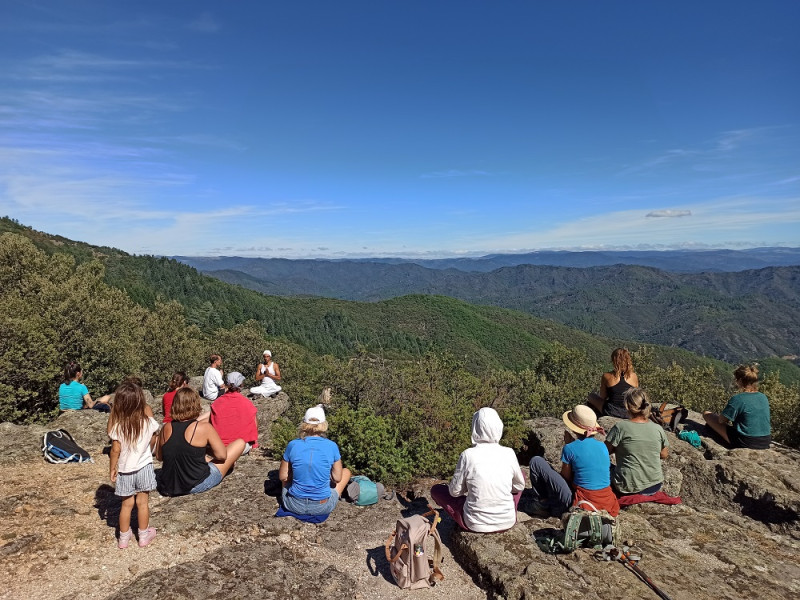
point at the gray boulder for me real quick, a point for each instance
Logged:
(735, 501)
(269, 411)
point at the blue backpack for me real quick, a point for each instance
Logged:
(60, 447)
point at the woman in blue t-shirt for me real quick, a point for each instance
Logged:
(73, 395)
(584, 479)
(311, 465)
(745, 420)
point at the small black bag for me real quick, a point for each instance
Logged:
(60, 447)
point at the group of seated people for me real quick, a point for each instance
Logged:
(485, 490)
(228, 430)
(267, 374)
(198, 449)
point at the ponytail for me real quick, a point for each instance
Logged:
(71, 371)
(178, 379)
(637, 403)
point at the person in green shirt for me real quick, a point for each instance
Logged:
(745, 420)
(639, 445)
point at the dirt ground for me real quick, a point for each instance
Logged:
(58, 538)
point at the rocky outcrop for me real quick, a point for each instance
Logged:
(58, 542)
(735, 536)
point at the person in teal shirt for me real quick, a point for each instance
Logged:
(73, 395)
(745, 420)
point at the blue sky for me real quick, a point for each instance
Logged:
(401, 128)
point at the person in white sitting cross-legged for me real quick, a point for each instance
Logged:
(267, 374)
(213, 384)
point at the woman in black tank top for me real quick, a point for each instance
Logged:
(182, 446)
(184, 465)
(609, 401)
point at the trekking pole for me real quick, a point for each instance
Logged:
(625, 559)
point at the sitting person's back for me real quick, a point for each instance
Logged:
(488, 474)
(745, 420)
(640, 445)
(233, 415)
(590, 463)
(311, 469)
(585, 470)
(610, 401)
(213, 384)
(182, 446)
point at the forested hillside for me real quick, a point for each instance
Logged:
(405, 374)
(404, 327)
(731, 316)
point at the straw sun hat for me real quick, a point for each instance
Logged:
(582, 419)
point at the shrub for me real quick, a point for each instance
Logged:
(784, 404)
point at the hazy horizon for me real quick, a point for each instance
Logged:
(433, 255)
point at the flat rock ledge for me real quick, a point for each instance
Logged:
(736, 535)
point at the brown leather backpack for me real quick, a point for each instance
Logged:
(669, 418)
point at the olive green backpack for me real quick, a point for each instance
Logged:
(582, 529)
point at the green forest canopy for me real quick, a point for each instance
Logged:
(408, 369)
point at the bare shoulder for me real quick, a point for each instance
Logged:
(201, 434)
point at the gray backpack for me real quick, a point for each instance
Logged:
(411, 565)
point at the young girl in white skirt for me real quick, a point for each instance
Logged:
(132, 430)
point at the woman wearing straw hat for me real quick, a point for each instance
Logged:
(310, 466)
(585, 465)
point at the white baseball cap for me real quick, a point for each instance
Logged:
(314, 415)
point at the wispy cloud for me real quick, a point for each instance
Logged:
(787, 181)
(73, 65)
(456, 173)
(658, 214)
(39, 111)
(198, 139)
(204, 23)
(701, 155)
(716, 221)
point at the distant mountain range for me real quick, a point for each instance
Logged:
(729, 315)
(678, 261)
(732, 316)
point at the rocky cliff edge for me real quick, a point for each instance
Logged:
(736, 535)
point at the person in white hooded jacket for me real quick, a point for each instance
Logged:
(486, 487)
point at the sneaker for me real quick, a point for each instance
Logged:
(146, 536)
(124, 539)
